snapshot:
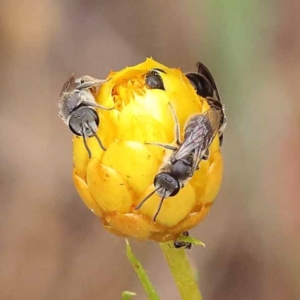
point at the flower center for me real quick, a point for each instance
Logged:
(124, 90)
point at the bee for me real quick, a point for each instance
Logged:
(182, 244)
(199, 133)
(153, 80)
(77, 108)
(206, 87)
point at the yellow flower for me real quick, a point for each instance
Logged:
(113, 182)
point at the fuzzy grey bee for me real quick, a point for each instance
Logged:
(206, 87)
(199, 133)
(77, 107)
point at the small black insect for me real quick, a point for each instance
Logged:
(77, 108)
(182, 244)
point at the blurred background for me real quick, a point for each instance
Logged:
(51, 246)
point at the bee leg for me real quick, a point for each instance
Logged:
(206, 155)
(177, 134)
(166, 146)
(90, 84)
(221, 139)
(177, 127)
(87, 103)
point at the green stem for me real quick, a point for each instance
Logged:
(147, 285)
(182, 272)
(126, 295)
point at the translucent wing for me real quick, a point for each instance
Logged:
(218, 105)
(200, 131)
(203, 71)
(68, 86)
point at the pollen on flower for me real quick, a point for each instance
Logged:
(113, 182)
(125, 91)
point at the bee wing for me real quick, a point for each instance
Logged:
(68, 86)
(200, 131)
(203, 71)
(216, 100)
(214, 103)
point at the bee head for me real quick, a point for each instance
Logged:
(167, 185)
(153, 80)
(84, 121)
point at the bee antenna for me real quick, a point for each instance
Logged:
(146, 198)
(97, 138)
(97, 105)
(90, 84)
(85, 143)
(160, 205)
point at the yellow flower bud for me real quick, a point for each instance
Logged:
(113, 182)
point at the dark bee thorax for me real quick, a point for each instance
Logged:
(182, 169)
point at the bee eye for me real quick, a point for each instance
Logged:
(201, 85)
(154, 80)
